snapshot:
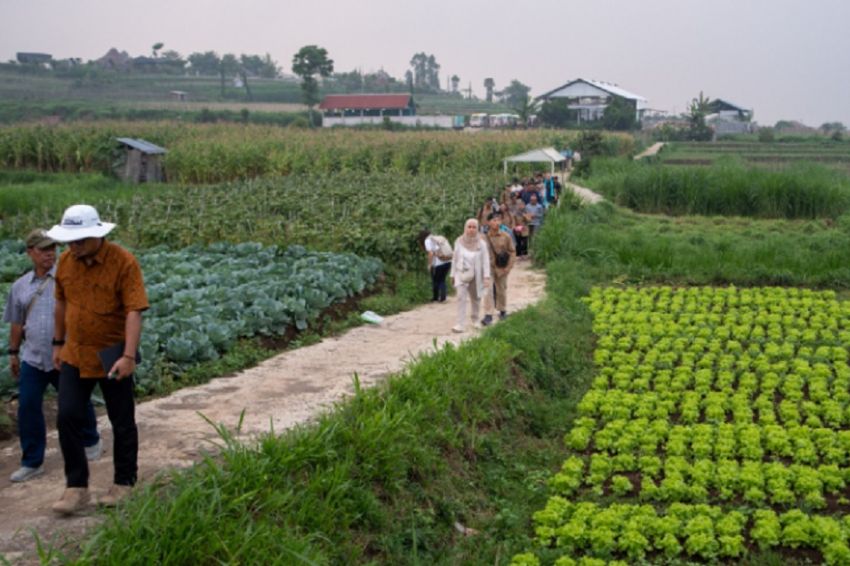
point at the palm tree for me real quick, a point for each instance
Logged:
(489, 84)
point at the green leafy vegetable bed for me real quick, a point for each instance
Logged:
(205, 298)
(717, 424)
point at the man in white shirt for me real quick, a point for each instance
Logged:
(439, 263)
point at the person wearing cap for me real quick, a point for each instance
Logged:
(100, 296)
(29, 310)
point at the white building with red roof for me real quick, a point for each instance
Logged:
(376, 109)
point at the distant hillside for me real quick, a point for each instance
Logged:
(35, 94)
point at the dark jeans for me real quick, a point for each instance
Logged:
(32, 384)
(438, 281)
(74, 393)
(521, 245)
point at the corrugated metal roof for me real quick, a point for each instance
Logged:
(607, 87)
(614, 89)
(365, 102)
(143, 146)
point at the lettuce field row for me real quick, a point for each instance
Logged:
(588, 533)
(203, 299)
(718, 422)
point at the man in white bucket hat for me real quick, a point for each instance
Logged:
(100, 296)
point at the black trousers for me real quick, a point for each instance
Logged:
(74, 395)
(438, 281)
(521, 245)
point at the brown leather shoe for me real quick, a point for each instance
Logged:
(115, 494)
(74, 500)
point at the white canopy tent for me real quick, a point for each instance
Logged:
(543, 155)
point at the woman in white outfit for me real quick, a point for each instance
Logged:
(470, 272)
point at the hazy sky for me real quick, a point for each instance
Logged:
(786, 59)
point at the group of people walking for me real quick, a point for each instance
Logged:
(484, 255)
(77, 323)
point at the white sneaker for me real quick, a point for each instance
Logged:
(25, 473)
(95, 451)
(457, 329)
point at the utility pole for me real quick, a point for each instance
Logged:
(468, 91)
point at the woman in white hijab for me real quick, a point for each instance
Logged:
(470, 272)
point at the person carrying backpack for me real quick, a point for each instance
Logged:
(440, 253)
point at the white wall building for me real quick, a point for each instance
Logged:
(590, 98)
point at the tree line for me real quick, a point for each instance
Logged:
(422, 77)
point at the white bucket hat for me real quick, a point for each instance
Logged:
(80, 221)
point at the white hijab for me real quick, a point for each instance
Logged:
(472, 243)
(481, 263)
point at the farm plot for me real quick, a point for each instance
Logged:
(729, 188)
(211, 153)
(831, 154)
(374, 214)
(203, 299)
(716, 426)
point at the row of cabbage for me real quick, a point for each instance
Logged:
(718, 422)
(203, 299)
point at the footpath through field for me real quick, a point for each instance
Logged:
(650, 151)
(586, 195)
(282, 392)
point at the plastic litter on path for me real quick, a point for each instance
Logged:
(372, 317)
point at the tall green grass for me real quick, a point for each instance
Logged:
(29, 198)
(801, 190)
(622, 245)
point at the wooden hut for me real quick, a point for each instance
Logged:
(142, 161)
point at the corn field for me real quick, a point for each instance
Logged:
(210, 153)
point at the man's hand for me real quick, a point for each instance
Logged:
(15, 366)
(123, 367)
(57, 361)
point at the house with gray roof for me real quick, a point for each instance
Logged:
(589, 98)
